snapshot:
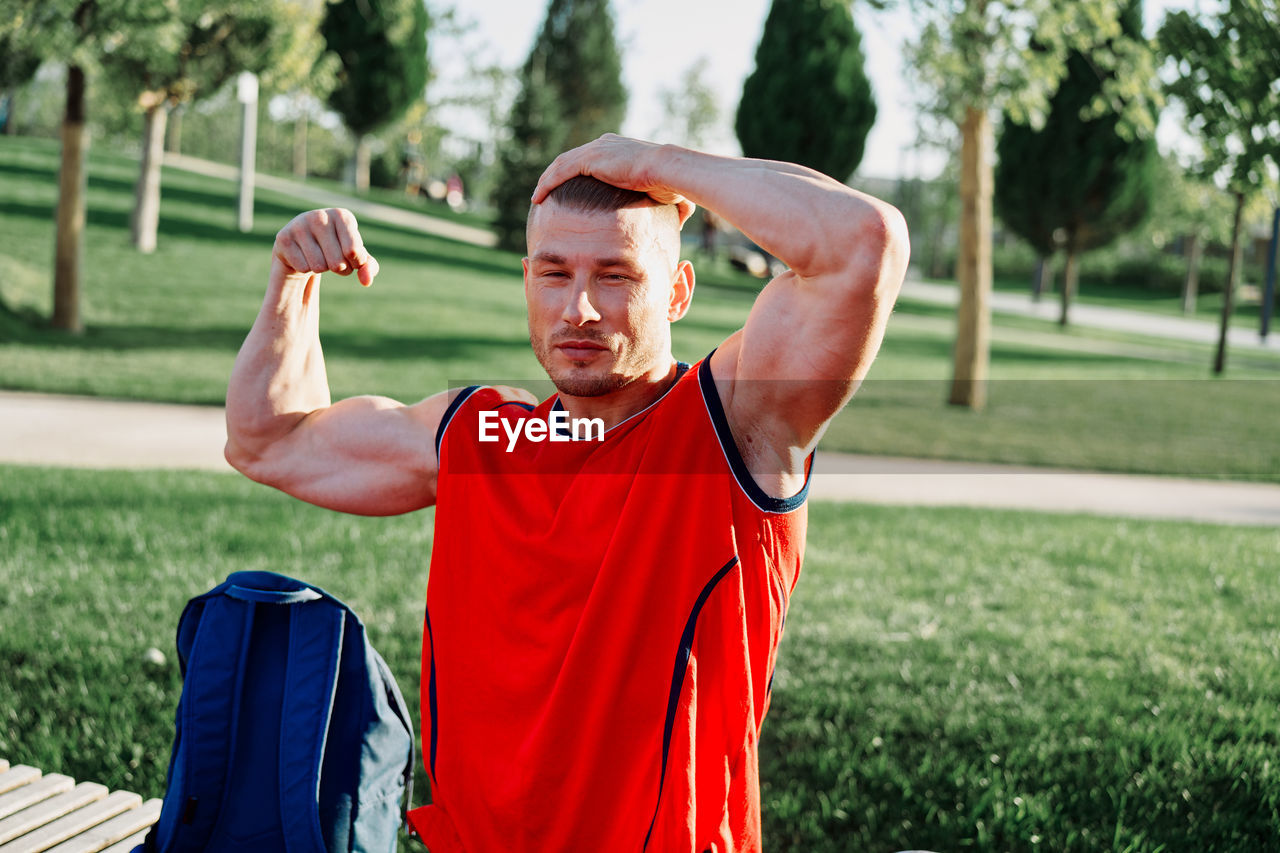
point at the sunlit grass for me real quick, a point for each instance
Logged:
(950, 679)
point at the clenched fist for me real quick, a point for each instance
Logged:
(324, 241)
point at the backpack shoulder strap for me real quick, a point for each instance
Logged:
(315, 651)
(219, 643)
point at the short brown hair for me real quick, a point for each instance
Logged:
(592, 195)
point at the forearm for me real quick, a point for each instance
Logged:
(811, 222)
(279, 375)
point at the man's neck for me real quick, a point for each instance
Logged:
(635, 396)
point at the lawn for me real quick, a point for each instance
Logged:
(950, 679)
(167, 326)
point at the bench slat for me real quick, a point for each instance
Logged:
(119, 828)
(128, 844)
(40, 789)
(17, 776)
(49, 810)
(73, 823)
(4, 764)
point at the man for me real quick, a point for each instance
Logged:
(603, 614)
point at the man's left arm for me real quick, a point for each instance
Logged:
(814, 330)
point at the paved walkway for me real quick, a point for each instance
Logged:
(1089, 316)
(320, 197)
(88, 432)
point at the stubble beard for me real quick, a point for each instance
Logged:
(579, 380)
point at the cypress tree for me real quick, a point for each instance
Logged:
(1076, 183)
(809, 100)
(381, 46)
(571, 92)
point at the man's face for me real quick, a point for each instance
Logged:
(602, 289)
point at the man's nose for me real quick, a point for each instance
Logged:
(579, 311)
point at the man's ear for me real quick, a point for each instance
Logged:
(681, 291)
(524, 264)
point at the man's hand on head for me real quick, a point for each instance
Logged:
(615, 160)
(326, 240)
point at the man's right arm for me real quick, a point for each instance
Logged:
(364, 455)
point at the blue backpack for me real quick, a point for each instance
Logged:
(291, 734)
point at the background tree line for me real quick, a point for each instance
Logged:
(1074, 85)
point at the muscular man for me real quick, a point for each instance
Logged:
(603, 614)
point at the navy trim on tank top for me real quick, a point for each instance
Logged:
(451, 411)
(683, 653)
(715, 409)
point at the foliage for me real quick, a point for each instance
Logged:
(1011, 55)
(381, 46)
(1226, 72)
(1075, 183)
(691, 113)
(1187, 203)
(571, 91)
(18, 62)
(808, 100)
(203, 46)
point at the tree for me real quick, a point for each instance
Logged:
(691, 111)
(1075, 183)
(976, 56)
(1226, 72)
(78, 32)
(381, 47)
(570, 92)
(808, 100)
(1190, 209)
(214, 41)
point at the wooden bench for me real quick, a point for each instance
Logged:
(52, 813)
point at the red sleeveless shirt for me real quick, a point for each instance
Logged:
(603, 618)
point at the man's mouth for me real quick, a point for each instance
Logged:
(578, 350)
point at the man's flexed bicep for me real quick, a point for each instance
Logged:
(814, 331)
(366, 455)
(362, 455)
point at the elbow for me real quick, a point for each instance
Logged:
(240, 458)
(879, 264)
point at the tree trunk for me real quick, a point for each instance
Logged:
(300, 145)
(173, 135)
(1228, 296)
(363, 154)
(973, 319)
(69, 237)
(1043, 279)
(146, 199)
(1191, 284)
(1070, 279)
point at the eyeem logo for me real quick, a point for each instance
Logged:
(559, 427)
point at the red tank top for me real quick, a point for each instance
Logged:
(602, 624)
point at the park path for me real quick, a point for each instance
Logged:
(89, 432)
(321, 197)
(1083, 315)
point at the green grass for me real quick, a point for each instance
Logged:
(956, 679)
(167, 327)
